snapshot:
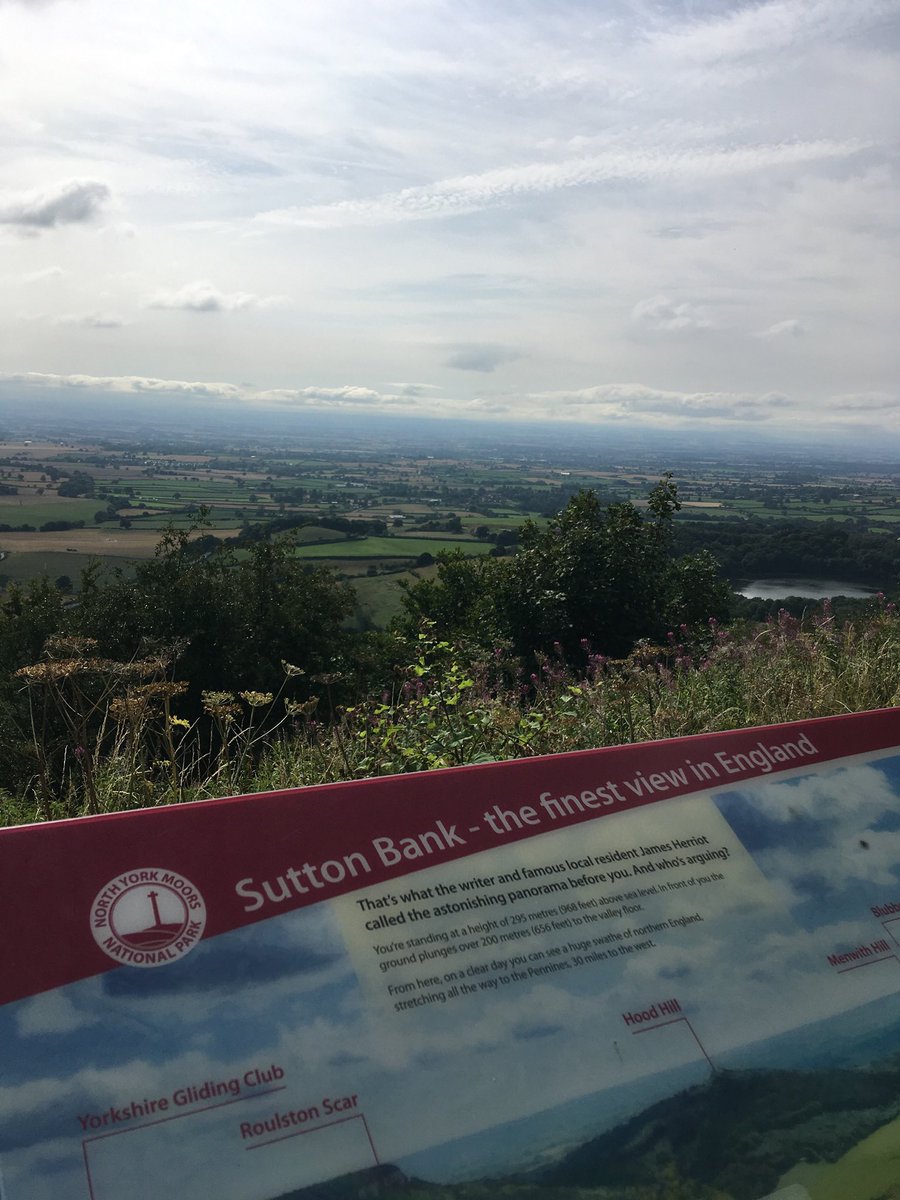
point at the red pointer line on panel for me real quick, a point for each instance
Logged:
(162, 1121)
(674, 1021)
(868, 963)
(316, 1129)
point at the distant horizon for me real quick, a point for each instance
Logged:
(105, 416)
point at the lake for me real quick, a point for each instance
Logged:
(814, 589)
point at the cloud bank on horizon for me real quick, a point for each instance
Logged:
(663, 213)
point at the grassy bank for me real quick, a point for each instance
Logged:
(126, 746)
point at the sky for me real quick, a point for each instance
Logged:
(673, 213)
(304, 990)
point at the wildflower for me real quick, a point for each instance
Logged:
(301, 708)
(788, 624)
(179, 723)
(257, 699)
(79, 752)
(290, 670)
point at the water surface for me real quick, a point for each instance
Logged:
(814, 589)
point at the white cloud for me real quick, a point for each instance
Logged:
(851, 844)
(485, 178)
(765, 28)
(203, 296)
(618, 401)
(605, 402)
(661, 313)
(348, 396)
(861, 402)
(468, 194)
(339, 397)
(92, 320)
(44, 273)
(124, 384)
(72, 202)
(791, 328)
(51, 1012)
(413, 389)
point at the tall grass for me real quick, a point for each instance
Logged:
(128, 748)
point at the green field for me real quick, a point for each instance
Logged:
(19, 567)
(380, 596)
(23, 510)
(217, 522)
(391, 547)
(312, 534)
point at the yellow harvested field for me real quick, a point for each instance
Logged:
(37, 449)
(868, 1171)
(127, 543)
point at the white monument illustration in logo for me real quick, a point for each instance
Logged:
(149, 917)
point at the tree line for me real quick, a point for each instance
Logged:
(829, 549)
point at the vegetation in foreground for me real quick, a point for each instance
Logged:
(124, 744)
(207, 674)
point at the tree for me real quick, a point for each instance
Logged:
(236, 618)
(598, 576)
(460, 599)
(78, 484)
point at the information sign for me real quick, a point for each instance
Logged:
(665, 970)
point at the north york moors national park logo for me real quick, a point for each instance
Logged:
(148, 917)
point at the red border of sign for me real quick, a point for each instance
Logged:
(51, 873)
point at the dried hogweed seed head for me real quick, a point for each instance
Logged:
(162, 689)
(127, 709)
(220, 704)
(63, 646)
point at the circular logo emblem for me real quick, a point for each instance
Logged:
(148, 918)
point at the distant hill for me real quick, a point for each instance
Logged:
(731, 1138)
(371, 1184)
